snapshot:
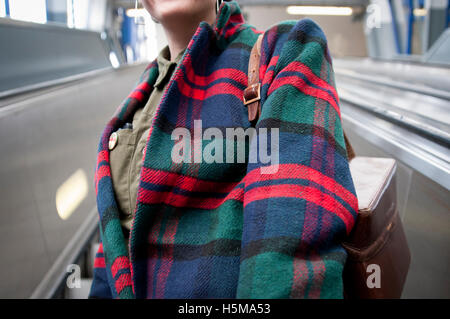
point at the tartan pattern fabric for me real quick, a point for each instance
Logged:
(225, 230)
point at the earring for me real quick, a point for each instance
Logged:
(218, 3)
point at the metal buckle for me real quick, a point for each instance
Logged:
(257, 98)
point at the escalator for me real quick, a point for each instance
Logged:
(402, 110)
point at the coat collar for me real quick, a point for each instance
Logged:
(228, 20)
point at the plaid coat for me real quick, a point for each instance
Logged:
(225, 230)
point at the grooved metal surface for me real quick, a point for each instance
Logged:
(33, 53)
(45, 137)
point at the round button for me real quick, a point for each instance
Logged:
(113, 140)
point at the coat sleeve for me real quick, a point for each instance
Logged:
(299, 207)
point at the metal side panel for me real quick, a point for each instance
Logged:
(33, 53)
(46, 140)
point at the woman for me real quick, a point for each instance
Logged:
(226, 228)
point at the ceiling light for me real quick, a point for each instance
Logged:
(133, 13)
(71, 194)
(420, 12)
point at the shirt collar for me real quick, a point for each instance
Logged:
(165, 66)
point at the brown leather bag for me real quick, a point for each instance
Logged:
(377, 242)
(378, 253)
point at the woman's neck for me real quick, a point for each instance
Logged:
(179, 34)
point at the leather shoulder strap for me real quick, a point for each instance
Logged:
(252, 94)
(350, 151)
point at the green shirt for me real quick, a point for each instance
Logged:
(127, 155)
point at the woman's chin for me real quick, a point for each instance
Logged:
(177, 11)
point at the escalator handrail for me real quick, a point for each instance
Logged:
(441, 94)
(430, 132)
